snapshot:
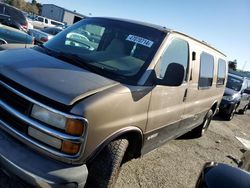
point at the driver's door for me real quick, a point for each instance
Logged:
(166, 107)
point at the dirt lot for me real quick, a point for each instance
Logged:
(178, 163)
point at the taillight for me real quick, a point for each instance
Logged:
(44, 39)
(33, 40)
(25, 26)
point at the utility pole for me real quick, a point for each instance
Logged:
(244, 65)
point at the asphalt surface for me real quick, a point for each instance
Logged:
(178, 163)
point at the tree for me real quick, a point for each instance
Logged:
(34, 2)
(25, 6)
(232, 65)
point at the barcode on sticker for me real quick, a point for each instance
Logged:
(140, 40)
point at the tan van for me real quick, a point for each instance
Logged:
(80, 107)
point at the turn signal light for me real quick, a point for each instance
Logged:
(74, 127)
(70, 148)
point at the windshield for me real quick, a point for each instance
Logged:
(234, 83)
(117, 49)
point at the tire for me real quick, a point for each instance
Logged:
(244, 110)
(104, 169)
(230, 116)
(201, 129)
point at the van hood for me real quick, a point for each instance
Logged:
(51, 77)
(230, 92)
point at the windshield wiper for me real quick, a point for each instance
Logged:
(76, 60)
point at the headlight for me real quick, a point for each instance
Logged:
(69, 125)
(48, 117)
(228, 98)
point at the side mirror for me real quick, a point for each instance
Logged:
(174, 75)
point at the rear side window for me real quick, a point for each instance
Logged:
(176, 52)
(55, 23)
(16, 15)
(46, 21)
(221, 72)
(206, 70)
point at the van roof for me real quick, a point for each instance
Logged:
(161, 28)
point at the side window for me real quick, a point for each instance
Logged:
(40, 19)
(176, 52)
(206, 70)
(46, 21)
(221, 72)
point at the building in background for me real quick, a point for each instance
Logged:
(61, 14)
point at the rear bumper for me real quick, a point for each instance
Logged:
(37, 170)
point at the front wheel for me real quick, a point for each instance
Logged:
(230, 116)
(201, 129)
(244, 110)
(104, 169)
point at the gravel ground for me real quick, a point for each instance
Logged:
(178, 163)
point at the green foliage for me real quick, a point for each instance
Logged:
(32, 7)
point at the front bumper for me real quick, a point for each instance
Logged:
(226, 107)
(35, 169)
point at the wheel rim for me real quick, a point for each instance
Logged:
(245, 109)
(232, 113)
(206, 124)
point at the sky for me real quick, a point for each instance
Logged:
(224, 24)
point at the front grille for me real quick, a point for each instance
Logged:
(14, 100)
(15, 108)
(13, 121)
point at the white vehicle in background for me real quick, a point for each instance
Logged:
(41, 22)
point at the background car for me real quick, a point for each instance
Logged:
(12, 35)
(41, 22)
(217, 175)
(236, 97)
(44, 35)
(14, 16)
(7, 20)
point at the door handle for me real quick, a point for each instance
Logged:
(185, 95)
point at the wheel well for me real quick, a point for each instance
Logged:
(135, 139)
(1, 40)
(135, 144)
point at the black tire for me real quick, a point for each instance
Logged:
(230, 116)
(244, 110)
(201, 129)
(104, 169)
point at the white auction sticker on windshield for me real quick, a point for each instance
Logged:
(140, 40)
